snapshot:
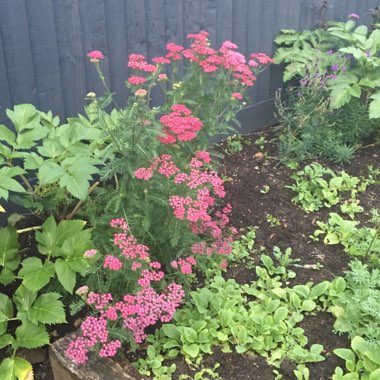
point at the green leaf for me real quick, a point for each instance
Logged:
(24, 298)
(171, 331)
(192, 350)
(7, 135)
(47, 309)
(374, 106)
(16, 368)
(345, 354)
(23, 116)
(319, 289)
(6, 312)
(66, 276)
(50, 172)
(9, 258)
(280, 314)
(375, 375)
(35, 274)
(308, 305)
(10, 184)
(29, 335)
(32, 161)
(5, 340)
(75, 183)
(190, 334)
(340, 95)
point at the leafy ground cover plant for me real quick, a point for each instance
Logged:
(45, 166)
(40, 283)
(337, 69)
(318, 186)
(359, 242)
(362, 361)
(220, 314)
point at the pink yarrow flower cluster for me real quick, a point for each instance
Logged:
(184, 265)
(135, 312)
(204, 186)
(179, 125)
(95, 56)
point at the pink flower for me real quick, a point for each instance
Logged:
(136, 80)
(143, 173)
(90, 253)
(237, 95)
(112, 263)
(161, 60)
(95, 56)
(141, 92)
(83, 290)
(162, 77)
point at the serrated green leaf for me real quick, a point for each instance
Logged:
(24, 298)
(75, 184)
(36, 274)
(66, 276)
(50, 172)
(47, 309)
(340, 95)
(29, 335)
(5, 340)
(32, 161)
(6, 312)
(26, 139)
(10, 184)
(23, 116)
(9, 258)
(7, 135)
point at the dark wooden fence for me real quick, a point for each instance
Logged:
(43, 43)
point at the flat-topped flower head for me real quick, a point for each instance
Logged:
(95, 56)
(353, 16)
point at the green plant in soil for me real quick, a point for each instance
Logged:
(359, 242)
(361, 362)
(234, 144)
(260, 142)
(317, 186)
(357, 308)
(272, 220)
(41, 281)
(260, 317)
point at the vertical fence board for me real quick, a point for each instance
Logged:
(223, 21)
(14, 29)
(240, 25)
(174, 31)
(94, 37)
(45, 56)
(5, 97)
(71, 54)
(117, 47)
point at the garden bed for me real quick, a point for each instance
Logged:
(249, 173)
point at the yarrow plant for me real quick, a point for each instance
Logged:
(149, 171)
(159, 176)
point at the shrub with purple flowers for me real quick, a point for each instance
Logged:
(334, 71)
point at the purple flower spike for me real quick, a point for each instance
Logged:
(368, 54)
(330, 52)
(335, 67)
(353, 16)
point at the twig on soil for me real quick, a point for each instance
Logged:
(29, 229)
